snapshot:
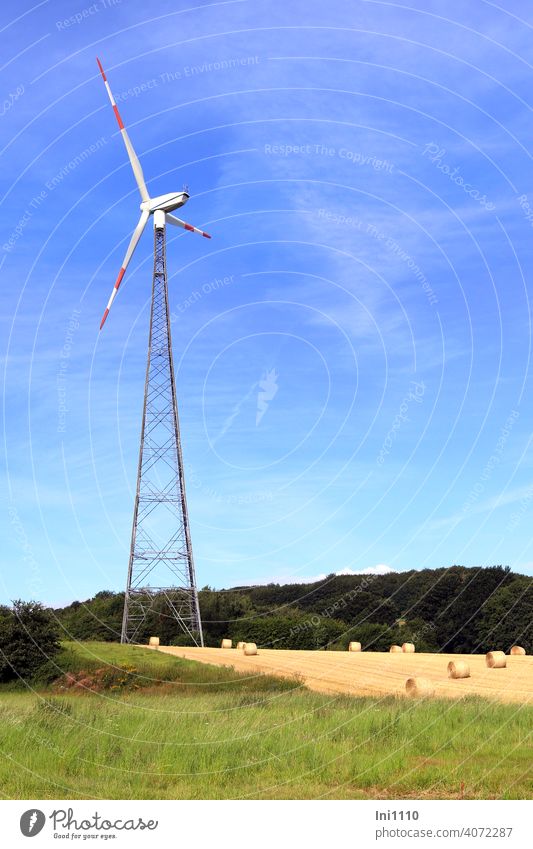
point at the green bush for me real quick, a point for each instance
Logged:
(29, 637)
(288, 632)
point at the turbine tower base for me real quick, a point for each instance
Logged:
(161, 590)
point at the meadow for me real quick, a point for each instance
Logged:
(111, 721)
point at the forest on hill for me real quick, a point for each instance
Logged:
(455, 609)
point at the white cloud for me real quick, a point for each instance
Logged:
(379, 569)
(488, 505)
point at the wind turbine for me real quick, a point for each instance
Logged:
(161, 567)
(160, 207)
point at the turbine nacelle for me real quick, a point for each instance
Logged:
(167, 203)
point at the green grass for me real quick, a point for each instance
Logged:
(150, 670)
(166, 728)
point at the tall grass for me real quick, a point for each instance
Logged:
(210, 733)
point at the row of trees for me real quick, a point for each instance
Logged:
(455, 610)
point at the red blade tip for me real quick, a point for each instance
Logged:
(106, 313)
(101, 69)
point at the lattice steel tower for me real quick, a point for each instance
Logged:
(161, 566)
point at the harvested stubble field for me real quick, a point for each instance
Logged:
(377, 673)
(119, 722)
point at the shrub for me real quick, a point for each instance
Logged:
(29, 637)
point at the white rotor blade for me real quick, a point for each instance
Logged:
(135, 164)
(137, 233)
(179, 223)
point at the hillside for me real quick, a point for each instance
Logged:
(456, 609)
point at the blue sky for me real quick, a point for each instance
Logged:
(364, 169)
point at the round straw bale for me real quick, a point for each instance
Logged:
(354, 647)
(419, 687)
(496, 659)
(250, 648)
(408, 647)
(517, 650)
(395, 649)
(241, 645)
(458, 669)
(226, 644)
(154, 642)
